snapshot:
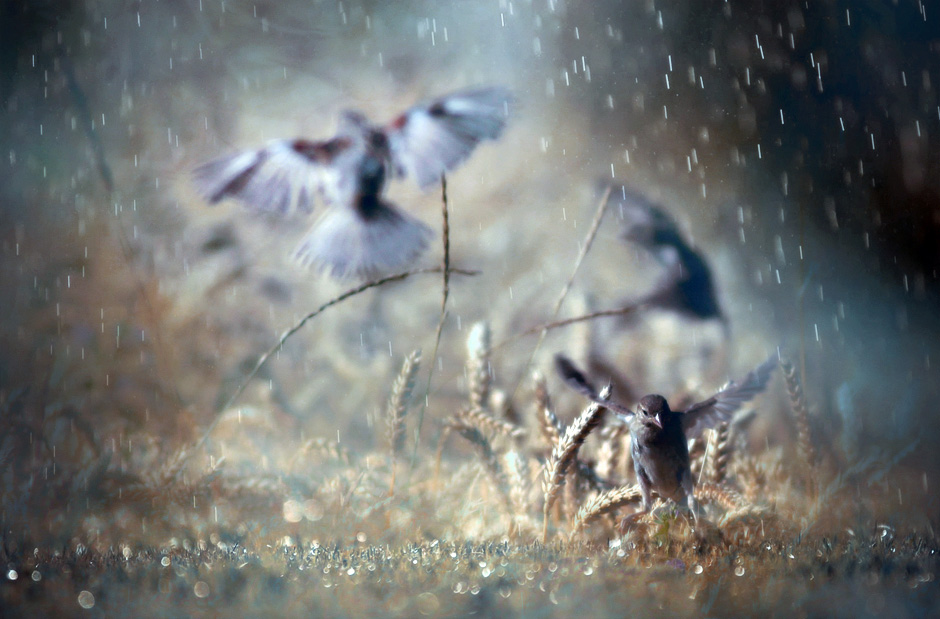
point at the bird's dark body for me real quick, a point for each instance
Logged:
(661, 455)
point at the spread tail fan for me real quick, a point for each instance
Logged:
(348, 244)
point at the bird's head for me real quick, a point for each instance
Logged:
(652, 410)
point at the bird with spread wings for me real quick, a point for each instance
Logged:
(360, 234)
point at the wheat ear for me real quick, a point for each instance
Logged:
(478, 365)
(549, 425)
(605, 503)
(397, 408)
(800, 413)
(565, 452)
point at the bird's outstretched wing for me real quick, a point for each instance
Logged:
(722, 405)
(434, 137)
(576, 379)
(283, 177)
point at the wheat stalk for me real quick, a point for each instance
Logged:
(549, 425)
(604, 503)
(491, 462)
(565, 452)
(397, 408)
(478, 365)
(518, 476)
(398, 401)
(490, 425)
(800, 413)
(720, 494)
(722, 452)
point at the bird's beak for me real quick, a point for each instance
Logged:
(658, 420)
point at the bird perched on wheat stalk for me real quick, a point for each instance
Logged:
(659, 435)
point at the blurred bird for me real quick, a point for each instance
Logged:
(687, 284)
(659, 435)
(361, 234)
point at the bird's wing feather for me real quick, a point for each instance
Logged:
(722, 405)
(432, 138)
(576, 379)
(283, 177)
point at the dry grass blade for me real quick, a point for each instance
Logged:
(800, 413)
(720, 494)
(605, 503)
(478, 365)
(565, 452)
(585, 248)
(549, 425)
(398, 401)
(445, 293)
(490, 425)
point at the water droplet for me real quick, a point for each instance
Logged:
(293, 511)
(86, 599)
(739, 571)
(12, 575)
(428, 604)
(165, 561)
(201, 589)
(698, 569)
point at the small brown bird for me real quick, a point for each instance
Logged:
(360, 235)
(659, 435)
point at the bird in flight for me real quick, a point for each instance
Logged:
(687, 286)
(360, 235)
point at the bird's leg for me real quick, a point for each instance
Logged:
(694, 507)
(630, 520)
(646, 491)
(688, 486)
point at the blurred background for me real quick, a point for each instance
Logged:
(795, 145)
